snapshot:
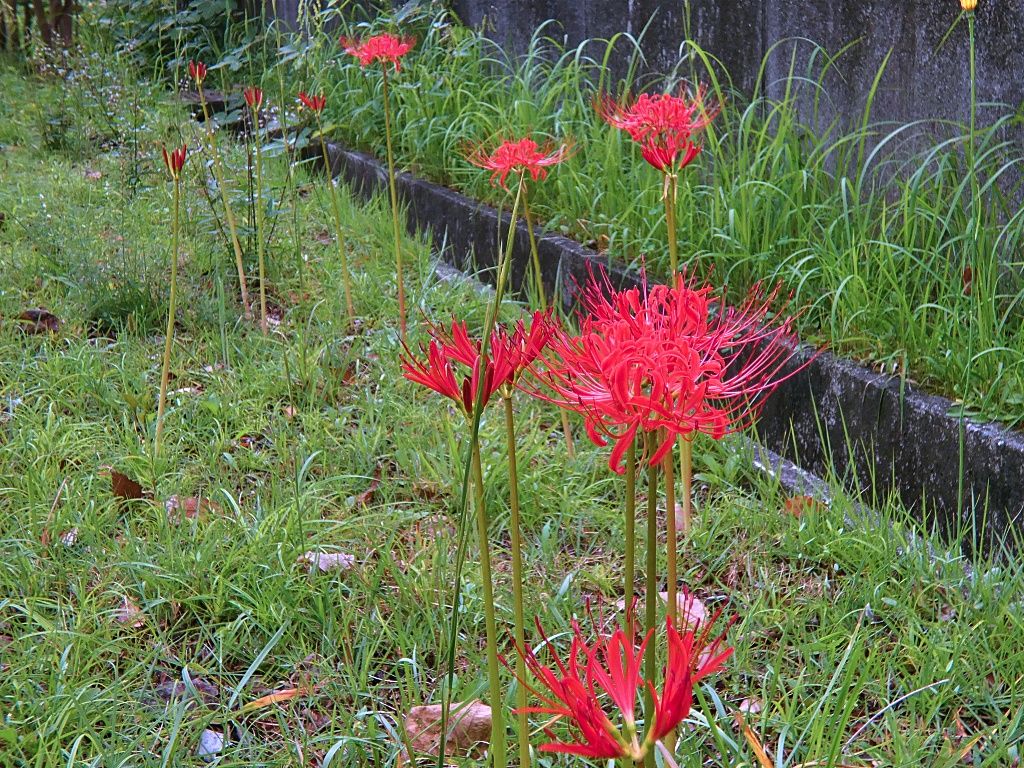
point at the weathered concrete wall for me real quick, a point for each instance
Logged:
(922, 80)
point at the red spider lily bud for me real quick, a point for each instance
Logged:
(253, 97)
(197, 71)
(314, 103)
(382, 48)
(517, 157)
(175, 160)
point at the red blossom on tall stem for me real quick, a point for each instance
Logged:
(253, 97)
(672, 357)
(662, 124)
(313, 103)
(507, 356)
(379, 48)
(520, 156)
(197, 71)
(175, 159)
(609, 670)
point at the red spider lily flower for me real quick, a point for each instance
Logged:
(611, 667)
(692, 656)
(382, 48)
(175, 159)
(518, 157)
(253, 97)
(197, 71)
(968, 280)
(509, 354)
(517, 350)
(314, 103)
(667, 357)
(663, 125)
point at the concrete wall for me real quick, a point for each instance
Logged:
(922, 80)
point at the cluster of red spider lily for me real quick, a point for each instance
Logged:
(649, 366)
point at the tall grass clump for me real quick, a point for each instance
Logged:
(867, 223)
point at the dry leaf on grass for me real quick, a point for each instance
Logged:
(690, 610)
(129, 613)
(326, 562)
(193, 507)
(797, 506)
(750, 706)
(123, 487)
(277, 697)
(39, 320)
(469, 729)
(366, 497)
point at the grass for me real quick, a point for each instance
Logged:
(861, 639)
(869, 225)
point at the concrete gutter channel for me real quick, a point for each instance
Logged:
(834, 419)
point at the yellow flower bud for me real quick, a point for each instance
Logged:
(968, 5)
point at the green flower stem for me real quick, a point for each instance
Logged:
(630, 564)
(538, 278)
(517, 581)
(346, 280)
(671, 189)
(474, 439)
(498, 749)
(651, 594)
(394, 205)
(686, 470)
(229, 214)
(260, 247)
(668, 468)
(165, 372)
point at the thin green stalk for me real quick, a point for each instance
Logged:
(517, 582)
(474, 441)
(394, 205)
(630, 564)
(260, 246)
(686, 470)
(346, 280)
(229, 215)
(498, 749)
(668, 468)
(671, 189)
(538, 278)
(165, 372)
(651, 593)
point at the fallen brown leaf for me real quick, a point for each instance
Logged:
(366, 497)
(690, 610)
(798, 505)
(755, 743)
(326, 562)
(39, 320)
(129, 613)
(124, 488)
(277, 697)
(469, 729)
(194, 507)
